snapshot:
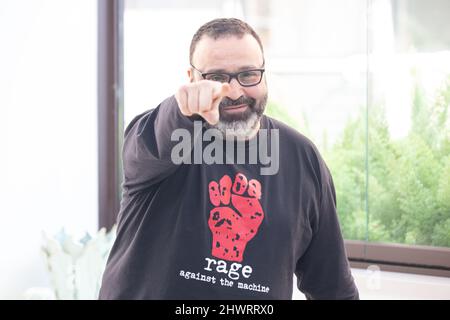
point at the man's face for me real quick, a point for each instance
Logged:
(241, 110)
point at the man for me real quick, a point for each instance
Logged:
(224, 229)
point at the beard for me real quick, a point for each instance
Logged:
(240, 125)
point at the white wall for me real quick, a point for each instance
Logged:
(48, 130)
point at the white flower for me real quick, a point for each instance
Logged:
(76, 267)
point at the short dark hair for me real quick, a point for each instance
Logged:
(223, 27)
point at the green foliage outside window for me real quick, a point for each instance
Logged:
(276, 111)
(408, 178)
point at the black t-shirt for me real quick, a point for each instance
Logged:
(224, 231)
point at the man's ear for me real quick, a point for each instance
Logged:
(190, 75)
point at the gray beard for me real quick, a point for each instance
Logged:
(241, 129)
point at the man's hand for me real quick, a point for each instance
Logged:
(203, 98)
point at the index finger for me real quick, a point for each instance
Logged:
(220, 90)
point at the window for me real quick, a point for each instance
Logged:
(367, 81)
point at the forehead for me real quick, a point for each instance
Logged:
(228, 53)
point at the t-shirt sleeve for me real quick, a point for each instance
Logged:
(147, 145)
(323, 270)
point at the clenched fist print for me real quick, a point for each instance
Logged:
(236, 216)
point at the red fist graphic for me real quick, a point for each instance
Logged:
(233, 224)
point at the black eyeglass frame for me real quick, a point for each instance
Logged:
(233, 75)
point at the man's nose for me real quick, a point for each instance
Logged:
(236, 90)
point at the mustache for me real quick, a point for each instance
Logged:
(227, 102)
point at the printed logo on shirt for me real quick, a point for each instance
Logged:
(234, 221)
(236, 216)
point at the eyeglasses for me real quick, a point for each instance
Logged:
(247, 78)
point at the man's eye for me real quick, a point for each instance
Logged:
(217, 77)
(249, 75)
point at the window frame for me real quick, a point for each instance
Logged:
(396, 257)
(110, 109)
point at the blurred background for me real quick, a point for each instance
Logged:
(367, 80)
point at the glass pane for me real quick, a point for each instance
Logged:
(317, 64)
(409, 121)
